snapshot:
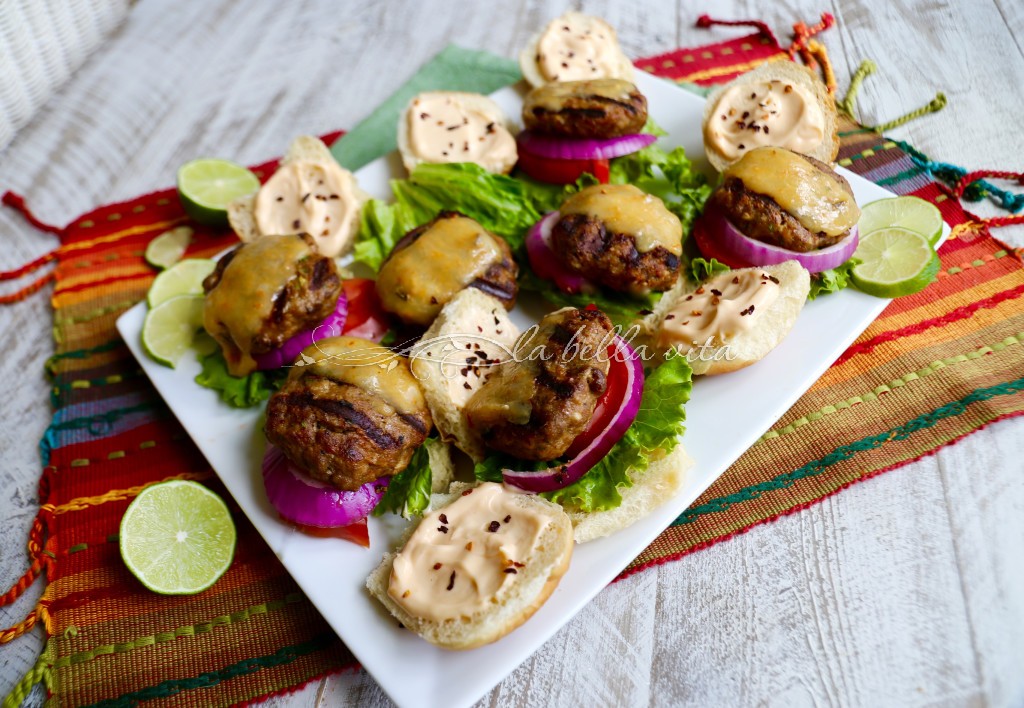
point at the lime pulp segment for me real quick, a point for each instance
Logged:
(207, 186)
(170, 328)
(177, 537)
(894, 262)
(168, 248)
(183, 278)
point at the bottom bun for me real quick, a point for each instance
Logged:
(535, 582)
(651, 488)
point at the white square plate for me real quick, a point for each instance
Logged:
(723, 421)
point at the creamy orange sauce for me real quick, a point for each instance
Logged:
(418, 280)
(317, 198)
(367, 365)
(447, 126)
(575, 47)
(626, 209)
(235, 310)
(813, 197)
(722, 308)
(773, 112)
(551, 97)
(454, 573)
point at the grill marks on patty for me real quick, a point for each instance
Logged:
(341, 434)
(599, 109)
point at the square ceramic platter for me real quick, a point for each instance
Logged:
(723, 420)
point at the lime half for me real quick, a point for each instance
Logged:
(207, 186)
(909, 213)
(170, 328)
(168, 248)
(183, 278)
(177, 537)
(894, 262)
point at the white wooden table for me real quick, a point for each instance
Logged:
(905, 590)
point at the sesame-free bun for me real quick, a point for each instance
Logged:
(770, 328)
(651, 488)
(472, 101)
(791, 72)
(438, 361)
(531, 70)
(514, 604)
(305, 148)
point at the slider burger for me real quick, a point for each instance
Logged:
(776, 205)
(614, 236)
(575, 127)
(346, 421)
(451, 126)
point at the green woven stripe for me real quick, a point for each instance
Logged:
(848, 452)
(173, 687)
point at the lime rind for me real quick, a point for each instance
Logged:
(170, 328)
(177, 538)
(906, 212)
(183, 278)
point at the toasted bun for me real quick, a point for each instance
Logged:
(651, 488)
(534, 583)
(439, 358)
(304, 148)
(792, 72)
(472, 101)
(531, 70)
(773, 325)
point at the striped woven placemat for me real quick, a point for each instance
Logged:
(932, 369)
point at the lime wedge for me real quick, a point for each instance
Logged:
(909, 213)
(170, 328)
(177, 537)
(894, 262)
(168, 248)
(183, 278)
(207, 186)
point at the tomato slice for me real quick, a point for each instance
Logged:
(554, 171)
(711, 248)
(609, 402)
(366, 318)
(357, 532)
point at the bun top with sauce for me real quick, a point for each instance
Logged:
(574, 47)
(779, 104)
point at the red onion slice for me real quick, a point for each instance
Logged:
(303, 500)
(578, 149)
(553, 478)
(546, 264)
(765, 254)
(332, 326)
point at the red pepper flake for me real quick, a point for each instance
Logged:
(689, 297)
(766, 130)
(670, 316)
(773, 279)
(437, 566)
(280, 199)
(442, 529)
(494, 526)
(406, 594)
(467, 492)
(686, 322)
(748, 311)
(469, 546)
(646, 312)
(723, 116)
(742, 147)
(424, 116)
(517, 564)
(497, 331)
(715, 300)
(466, 386)
(490, 127)
(715, 291)
(453, 127)
(335, 196)
(736, 280)
(296, 224)
(746, 114)
(451, 581)
(753, 95)
(443, 519)
(508, 518)
(445, 153)
(695, 313)
(700, 290)
(788, 89)
(433, 300)
(510, 571)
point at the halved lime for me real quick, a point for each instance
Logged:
(170, 328)
(894, 262)
(207, 186)
(909, 213)
(183, 278)
(168, 248)
(177, 537)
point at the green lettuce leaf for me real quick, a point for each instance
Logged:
(833, 280)
(381, 226)
(701, 269)
(656, 430)
(237, 391)
(621, 308)
(408, 493)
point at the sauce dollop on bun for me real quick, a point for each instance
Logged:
(451, 126)
(574, 47)
(779, 104)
